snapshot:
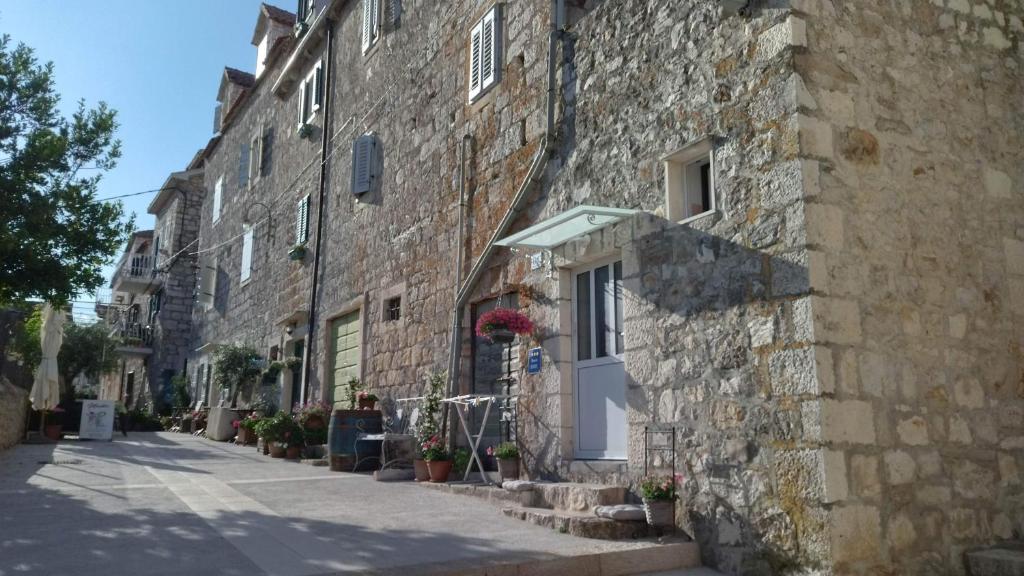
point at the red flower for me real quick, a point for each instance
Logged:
(503, 318)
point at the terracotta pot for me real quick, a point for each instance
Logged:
(245, 436)
(508, 468)
(276, 450)
(660, 512)
(439, 470)
(419, 465)
(367, 404)
(52, 431)
(293, 452)
(315, 422)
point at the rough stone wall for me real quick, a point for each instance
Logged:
(913, 140)
(177, 226)
(13, 404)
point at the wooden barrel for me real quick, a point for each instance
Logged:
(341, 437)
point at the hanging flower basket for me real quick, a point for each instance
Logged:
(298, 252)
(502, 324)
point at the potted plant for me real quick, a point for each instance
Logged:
(275, 432)
(305, 129)
(293, 362)
(261, 429)
(300, 29)
(502, 324)
(428, 426)
(439, 463)
(367, 400)
(293, 441)
(659, 495)
(247, 429)
(297, 252)
(507, 455)
(312, 417)
(53, 429)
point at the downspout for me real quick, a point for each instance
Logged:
(547, 145)
(321, 193)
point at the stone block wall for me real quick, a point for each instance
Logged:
(913, 144)
(13, 405)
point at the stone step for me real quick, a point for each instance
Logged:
(996, 562)
(492, 494)
(575, 497)
(582, 524)
(668, 557)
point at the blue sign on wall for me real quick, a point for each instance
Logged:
(533, 361)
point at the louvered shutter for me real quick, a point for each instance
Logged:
(246, 254)
(302, 221)
(368, 23)
(243, 165)
(318, 86)
(362, 167)
(302, 102)
(207, 284)
(490, 65)
(266, 150)
(217, 190)
(474, 61)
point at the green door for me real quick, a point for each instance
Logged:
(344, 355)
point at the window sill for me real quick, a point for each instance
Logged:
(696, 217)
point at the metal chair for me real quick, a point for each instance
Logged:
(396, 429)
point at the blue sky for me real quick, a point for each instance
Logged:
(157, 62)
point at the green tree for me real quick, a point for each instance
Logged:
(237, 368)
(56, 237)
(89, 350)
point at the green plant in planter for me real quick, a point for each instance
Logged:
(237, 368)
(293, 362)
(660, 488)
(283, 429)
(297, 252)
(305, 130)
(434, 450)
(273, 369)
(460, 460)
(354, 386)
(504, 451)
(429, 425)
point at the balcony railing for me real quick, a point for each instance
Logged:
(135, 335)
(140, 267)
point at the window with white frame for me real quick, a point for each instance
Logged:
(371, 23)
(485, 54)
(690, 182)
(218, 190)
(302, 221)
(247, 237)
(206, 285)
(311, 94)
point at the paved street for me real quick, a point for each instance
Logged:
(163, 503)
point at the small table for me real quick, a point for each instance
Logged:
(462, 404)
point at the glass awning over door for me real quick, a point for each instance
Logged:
(566, 226)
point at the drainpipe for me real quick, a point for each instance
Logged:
(547, 145)
(321, 193)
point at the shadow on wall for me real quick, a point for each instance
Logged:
(709, 322)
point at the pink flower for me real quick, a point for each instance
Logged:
(490, 450)
(499, 318)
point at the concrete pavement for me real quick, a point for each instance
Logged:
(163, 503)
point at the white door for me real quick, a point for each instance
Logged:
(600, 377)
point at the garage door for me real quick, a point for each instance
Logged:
(344, 355)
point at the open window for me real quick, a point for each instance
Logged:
(690, 182)
(311, 92)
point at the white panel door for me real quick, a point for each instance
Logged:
(600, 377)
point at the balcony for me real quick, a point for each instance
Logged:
(135, 273)
(134, 338)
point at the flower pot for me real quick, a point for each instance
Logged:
(297, 253)
(263, 446)
(245, 437)
(508, 468)
(439, 470)
(314, 422)
(366, 404)
(276, 450)
(502, 336)
(52, 431)
(419, 465)
(293, 452)
(660, 512)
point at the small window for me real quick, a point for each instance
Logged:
(218, 188)
(302, 221)
(246, 254)
(255, 158)
(371, 23)
(485, 61)
(266, 149)
(311, 94)
(393, 309)
(244, 158)
(690, 182)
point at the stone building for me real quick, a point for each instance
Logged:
(151, 294)
(793, 232)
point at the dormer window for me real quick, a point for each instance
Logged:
(311, 94)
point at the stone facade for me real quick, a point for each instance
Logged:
(843, 377)
(13, 408)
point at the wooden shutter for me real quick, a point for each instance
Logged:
(207, 285)
(362, 164)
(369, 23)
(318, 86)
(243, 165)
(474, 61)
(302, 221)
(266, 150)
(246, 254)
(217, 190)
(302, 102)
(490, 64)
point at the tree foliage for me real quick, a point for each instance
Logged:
(56, 237)
(89, 350)
(237, 368)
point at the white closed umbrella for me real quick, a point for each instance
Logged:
(45, 393)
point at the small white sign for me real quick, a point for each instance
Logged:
(536, 260)
(97, 420)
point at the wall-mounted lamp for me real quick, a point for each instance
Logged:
(289, 328)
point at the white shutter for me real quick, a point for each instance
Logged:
(369, 23)
(318, 86)
(302, 221)
(246, 254)
(362, 158)
(302, 102)
(474, 61)
(490, 64)
(217, 189)
(207, 285)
